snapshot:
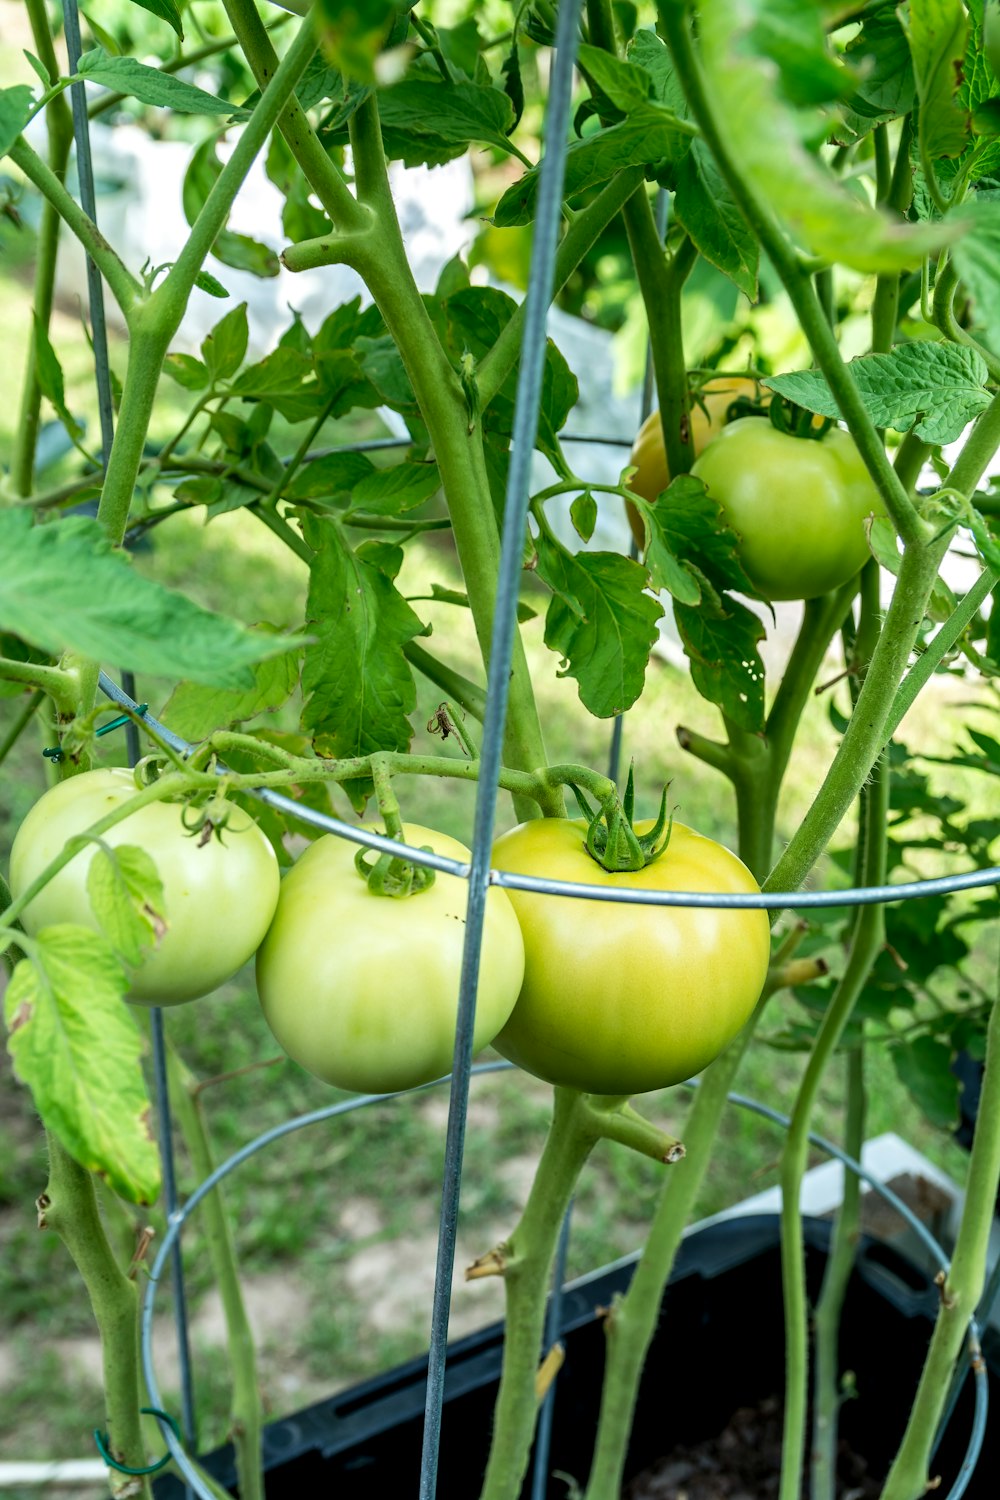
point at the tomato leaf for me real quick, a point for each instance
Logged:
(352, 33)
(709, 213)
(74, 1043)
(975, 258)
(167, 11)
(126, 895)
(453, 115)
(935, 389)
(64, 586)
(651, 136)
(16, 104)
(887, 87)
(720, 639)
(602, 621)
(330, 479)
(150, 86)
(626, 84)
(186, 371)
(781, 165)
(358, 684)
(194, 710)
(224, 349)
(936, 31)
(924, 1067)
(395, 491)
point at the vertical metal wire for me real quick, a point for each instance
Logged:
(645, 407)
(529, 390)
(85, 173)
(105, 402)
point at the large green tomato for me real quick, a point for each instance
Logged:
(219, 895)
(362, 989)
(799, 505)
(620, 998)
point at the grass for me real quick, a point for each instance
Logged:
(345, 1214)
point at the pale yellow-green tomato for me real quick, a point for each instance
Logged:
(362, 989)
(219, 896)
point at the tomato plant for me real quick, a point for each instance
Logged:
(798, 505)
(219, 891)
(620, 999)
(362, 989)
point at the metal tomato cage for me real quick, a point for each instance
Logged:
(477, 871)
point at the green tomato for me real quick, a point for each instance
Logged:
(362, 989)
(620, 998)
(219, 896)
(798, 505)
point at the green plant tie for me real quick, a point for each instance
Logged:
(101, 1438)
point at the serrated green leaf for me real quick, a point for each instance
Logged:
(780, 165)
(711, 217)
(457, 114)
(975, 259)
(924, 1068)
(692, 526)
(881, 54)
(651, 136)
(74, 1043)
(126, 896)
(150, 86)
(205, 282)
(397, 490)
(359, 687)
(720, 639)
(626, 84)
(936, 31)
(63, 586)
(935, 389)
(331, 479)
(49, 374)
(39, 67)
(194, 711)
(583, 514)
(186, 371)
(224, 349)
(166, 10)
(602, 622)
(16, 104)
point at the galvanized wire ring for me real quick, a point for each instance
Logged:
(348, 1106)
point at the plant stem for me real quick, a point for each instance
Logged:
(59, 124)
(124, 287)
(246, 1411)
(795, 278)
(909, 1478)
(866, 943)
(578, 1122)
(826, 1320)
(935, 652)
(62, 686)
(69, 1207)
(343, 209)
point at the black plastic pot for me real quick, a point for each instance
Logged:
(721, 1348)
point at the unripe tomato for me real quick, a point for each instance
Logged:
(798, 505)
(620, 999)
(219, 896)
(362, 989)
(707, 418)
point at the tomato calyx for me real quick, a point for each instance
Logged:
(612, 840)
(391, 874)
(797, 421)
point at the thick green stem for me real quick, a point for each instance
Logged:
(795, 278)
(62, 686)
(124, 287)
(826, 1320)
(909, 1477)
(578, 1122)
(866, 943)
(633, 1322)
(69, 1207)
(895, 190)
(246, 1410)
(935, 652)
(345, 213)
(59, 124)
